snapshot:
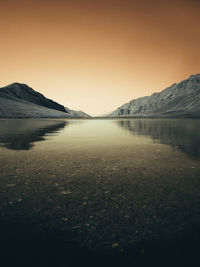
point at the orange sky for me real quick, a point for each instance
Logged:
(95, 55)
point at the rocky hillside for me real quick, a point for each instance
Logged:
(178, 100)
(19, 100)
(77, 113)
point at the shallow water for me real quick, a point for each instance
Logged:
(107, 186)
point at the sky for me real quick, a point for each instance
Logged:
(95, 55)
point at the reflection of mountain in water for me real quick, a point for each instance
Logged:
(183, 134)
(22, 134)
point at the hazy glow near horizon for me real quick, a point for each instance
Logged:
(96, 55)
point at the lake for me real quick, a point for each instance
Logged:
(105, 192)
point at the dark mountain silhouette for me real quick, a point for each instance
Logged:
(20, 100)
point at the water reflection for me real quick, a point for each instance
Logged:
(183, 134)
(21, 134)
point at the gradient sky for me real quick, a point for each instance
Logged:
(95, 55)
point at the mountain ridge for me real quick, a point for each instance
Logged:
(21, 101)
(179, 99)
(18, 100)
(24, 92)
(77, 113)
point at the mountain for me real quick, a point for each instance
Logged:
(20, 100)
(178, 100)
(77, 113)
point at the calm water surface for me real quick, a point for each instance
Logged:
(126, 187)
